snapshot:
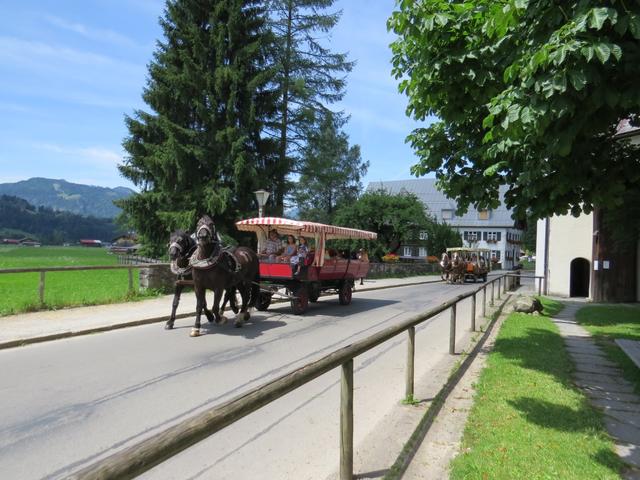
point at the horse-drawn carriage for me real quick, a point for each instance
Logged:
(321, 270)
(460, 264)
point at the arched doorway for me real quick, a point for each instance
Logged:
(579, 280)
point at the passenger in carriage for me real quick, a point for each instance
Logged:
(273, 247)
(301, 255)
(289, 250)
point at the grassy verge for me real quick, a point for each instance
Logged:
(19, 292)
(528, 420)
(608, 322)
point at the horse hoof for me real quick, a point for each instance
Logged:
(222, 320)
(238, 324)
(195, 332)
(168, 326)
(247, 316)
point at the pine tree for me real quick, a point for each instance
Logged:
(309, 78)
(201, 148)
(331, 172)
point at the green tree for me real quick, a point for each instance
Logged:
(527, 94)
(201, 149)
(396, 219)
(330, 173)
(441, 236)
(309, 77)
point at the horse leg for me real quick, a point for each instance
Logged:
(200, 302)
(245, 293)
(217, 296)
(207, 312)
(174, 307)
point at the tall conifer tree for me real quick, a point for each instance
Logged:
(309, 78)
(200, 149)
(331, 173)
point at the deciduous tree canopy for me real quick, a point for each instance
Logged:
(526, 94)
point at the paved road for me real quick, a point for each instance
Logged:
(67, 403)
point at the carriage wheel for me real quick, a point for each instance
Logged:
(300, 302)
(264, 300)
(344, 295)
(314, 291)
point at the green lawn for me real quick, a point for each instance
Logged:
(19, 291)
(529, 420)
(607, 322)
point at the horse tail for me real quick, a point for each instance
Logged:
(255, 293)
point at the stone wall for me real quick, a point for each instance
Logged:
(158, 277)
(378, 270)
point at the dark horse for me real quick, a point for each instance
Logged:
(218, 269)
(181, 247)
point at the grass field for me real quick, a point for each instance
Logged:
(529, 420)
(19, 291)
(607, 322)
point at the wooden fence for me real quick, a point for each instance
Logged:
(43, 271)
(143, 456)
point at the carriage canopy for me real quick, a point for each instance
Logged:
(319, 231)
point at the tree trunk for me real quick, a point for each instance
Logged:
(614, 276)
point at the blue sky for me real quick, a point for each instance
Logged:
(70, 71)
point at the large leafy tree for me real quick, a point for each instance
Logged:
(527, 94)
(309, 78)
(200, 148)
(330, 174)
(397, 219)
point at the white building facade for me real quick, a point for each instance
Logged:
(565, 247)
(492, 229)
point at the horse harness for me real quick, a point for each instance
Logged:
(223, 257)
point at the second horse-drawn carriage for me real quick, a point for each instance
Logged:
(321, 270)
(460, 264)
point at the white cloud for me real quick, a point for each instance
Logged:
(33, 53)
(98, 156)
(98, 34)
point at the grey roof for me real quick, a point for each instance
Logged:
(436, 201)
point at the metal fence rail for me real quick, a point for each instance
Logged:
(145, 455)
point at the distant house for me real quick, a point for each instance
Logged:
(127, 243)
(566, 248)
(29, 242)
(90, 243)
(11, 241)
(492, 229)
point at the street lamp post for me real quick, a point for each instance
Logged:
(261, 197)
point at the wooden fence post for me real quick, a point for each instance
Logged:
(473, 313)
(130, 279)
(411, 348)
(499, 286)
(452, 330)
(484, 301)
(346, 421)
(539, 286)
(493, 287)
(41, 287)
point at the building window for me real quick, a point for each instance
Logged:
(495, 254)
(447, 214)
(407, 251)
(424, 235)
(471, 236)
(483, 215)
(492, 236)
(422, 252)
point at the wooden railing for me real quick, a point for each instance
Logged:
(143, 456)
(43, 271)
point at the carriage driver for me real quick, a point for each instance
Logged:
(273, 247)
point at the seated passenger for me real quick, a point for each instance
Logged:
(273, 247)
(289, 249)
(298, 259)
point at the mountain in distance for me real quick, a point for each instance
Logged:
(19, 219)
(65, 196)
